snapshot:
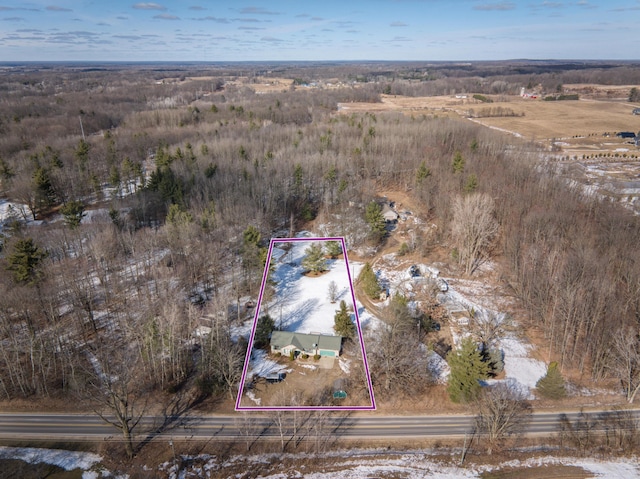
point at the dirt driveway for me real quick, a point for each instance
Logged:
(308, 383)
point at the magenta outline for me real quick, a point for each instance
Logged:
(238, 407)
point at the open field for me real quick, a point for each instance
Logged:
(534, 120)
(582, 133)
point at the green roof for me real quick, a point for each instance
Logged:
(305, 342)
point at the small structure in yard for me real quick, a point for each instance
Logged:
(389, 214)
(338, 389)
(201, 331)
(285, 342)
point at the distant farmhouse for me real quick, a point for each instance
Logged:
(284, 342)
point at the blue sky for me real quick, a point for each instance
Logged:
(231, 30)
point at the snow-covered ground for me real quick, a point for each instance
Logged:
(88, 462)
(362, 464)
(10, 211)
(301, 302)
(521, 370)
(260, 365)
(348, 464)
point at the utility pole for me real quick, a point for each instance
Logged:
(81, 128)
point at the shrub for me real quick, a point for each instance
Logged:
(305, 356)
(316, 357)
(482, 98)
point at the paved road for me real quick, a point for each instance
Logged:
(350, 426)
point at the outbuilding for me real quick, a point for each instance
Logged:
(389, 214)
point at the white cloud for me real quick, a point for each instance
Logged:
(166, 16)
(55, 8)
(500, 6)
(149, 6)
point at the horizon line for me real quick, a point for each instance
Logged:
(204, 62)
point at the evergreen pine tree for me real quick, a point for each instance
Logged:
(369, 282)
(472, 183)
(334, 249)
(73, 213)
(264, 328)
(375, 220)
(423, 172)
(25, 260)
(343, 325)
(314, 259)
(467, 369)
(44, 192)
(458, 163)
(551, 385)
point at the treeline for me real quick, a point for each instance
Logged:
(172, 193)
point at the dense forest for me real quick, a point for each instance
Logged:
(149, 192)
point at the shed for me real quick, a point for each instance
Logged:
(389, 214)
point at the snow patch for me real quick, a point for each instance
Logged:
(67, 460)
(345, 365)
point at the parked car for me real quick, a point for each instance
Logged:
(275, 377)
(414, 271)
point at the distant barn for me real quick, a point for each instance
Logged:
(626, 134)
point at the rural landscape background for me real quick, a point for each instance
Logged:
(481, 173)
(140, 211)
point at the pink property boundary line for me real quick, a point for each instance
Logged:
(265, 274)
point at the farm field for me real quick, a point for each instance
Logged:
(534, 119)
(578, 134)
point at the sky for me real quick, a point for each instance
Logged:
(286, 30)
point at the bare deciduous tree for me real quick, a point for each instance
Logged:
(248, 428)
(473, 228)
(332, 291)
(488, 327)
(626, 345)
(501, 412)
(115, 385)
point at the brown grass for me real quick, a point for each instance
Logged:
(542, 120)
